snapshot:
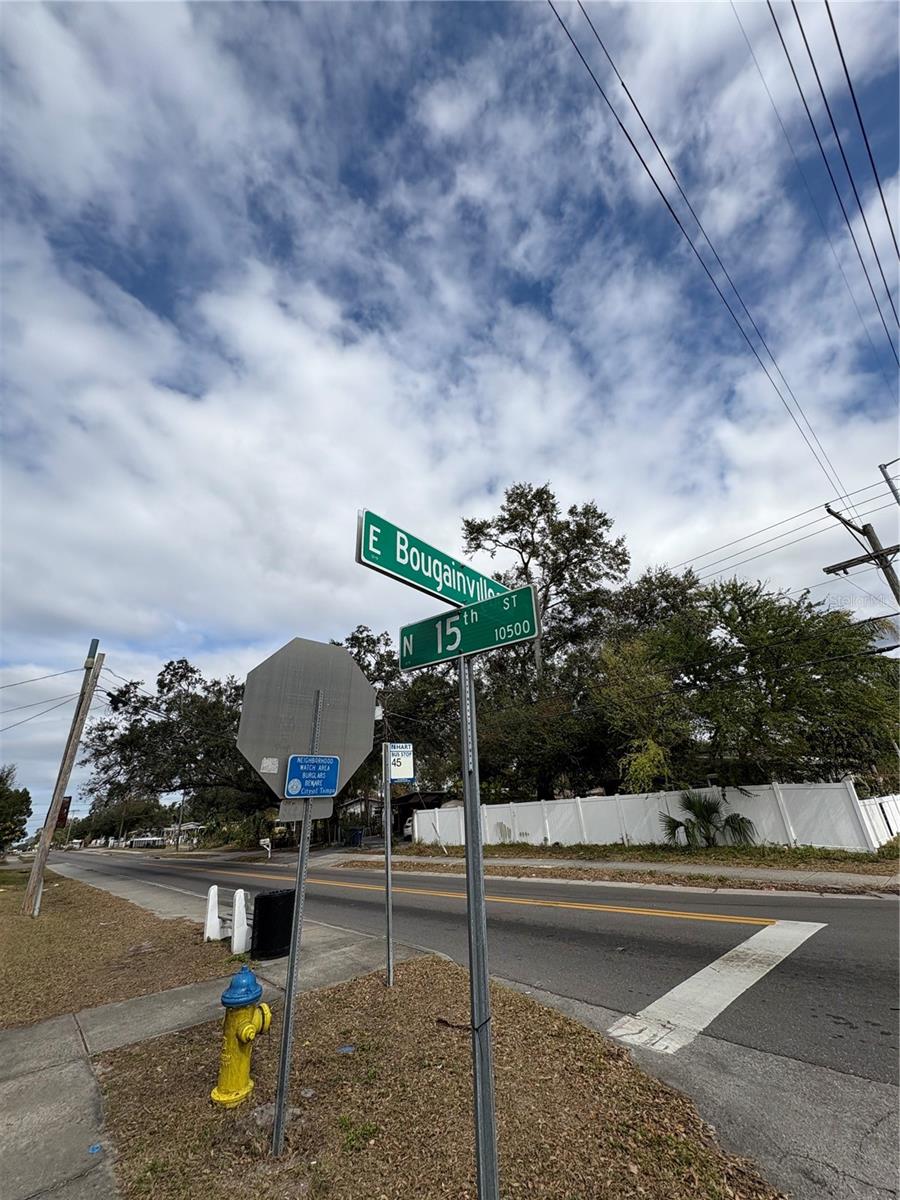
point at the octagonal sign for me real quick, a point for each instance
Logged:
(306, 698)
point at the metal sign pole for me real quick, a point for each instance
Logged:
(485, 1124)
(287, 1028)
(388, 889)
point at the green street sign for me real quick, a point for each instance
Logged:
(386, 548)
(497, 621)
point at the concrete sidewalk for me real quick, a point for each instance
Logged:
(770, 875)
(52, 1142)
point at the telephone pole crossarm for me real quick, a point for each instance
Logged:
(874, 556)
(843, 520)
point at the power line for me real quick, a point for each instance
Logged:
(715, 252)
(834, 185)
(796, 529)
(775, 524)
(151, 695)
(34, 716)
(837, 138)
(812, 662)
(38, 678)
(690, 242)
(862, 126)
(811, 587)
(815, 204)
(859, 587)
(35, 703)
(783, 546)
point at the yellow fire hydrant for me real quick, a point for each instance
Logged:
(244, 1019)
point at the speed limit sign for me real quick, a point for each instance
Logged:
(401, 756)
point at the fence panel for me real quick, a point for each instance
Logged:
(823, 814)
(499, 823)
(601, 820)
(562, 817)
(883, 813)
(761, 805)
(530, 821)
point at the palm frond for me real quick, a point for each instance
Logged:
(705, 809)
(671, 826)
(739, 830)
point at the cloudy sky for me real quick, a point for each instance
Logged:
(264, 265)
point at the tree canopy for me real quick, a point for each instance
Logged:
(15, 808)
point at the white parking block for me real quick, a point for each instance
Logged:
(212, 928)
(673, 1021)
(240, 931)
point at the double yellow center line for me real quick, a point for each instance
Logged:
(523, 901)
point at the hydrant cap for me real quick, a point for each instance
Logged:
(244, 989)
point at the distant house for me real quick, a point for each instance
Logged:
(190, 832)
(402, 807)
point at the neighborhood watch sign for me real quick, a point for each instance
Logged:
(386, 548)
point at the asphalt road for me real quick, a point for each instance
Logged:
(823, 1023)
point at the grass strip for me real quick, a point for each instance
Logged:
(660, 878)
(884, 861)
(88, 947)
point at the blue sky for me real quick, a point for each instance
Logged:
(264, 265)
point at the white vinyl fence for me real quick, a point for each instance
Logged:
(789, 814)
(882, 815)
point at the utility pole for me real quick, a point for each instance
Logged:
(92, 667)
(883, 468)
(880, 555)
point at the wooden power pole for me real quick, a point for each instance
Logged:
(92, 667)
(880, 555)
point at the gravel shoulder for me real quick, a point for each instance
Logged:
(382, 1094)
(89, 947)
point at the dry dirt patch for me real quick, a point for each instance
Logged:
(391, 1119)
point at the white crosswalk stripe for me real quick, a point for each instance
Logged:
(673, 1021)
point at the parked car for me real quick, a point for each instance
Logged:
(408, 829)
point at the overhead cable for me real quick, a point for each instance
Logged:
(834, 185)
(691, 243)
(787, 532)
(38, 678)
(840, 144)
(784, 521)
(811, 587)
(859, 587)
(814, 203)
(35, 703)
(783, 546)
(716, 255)
(34, 716)
(862, 125)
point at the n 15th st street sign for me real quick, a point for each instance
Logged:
(386, 548)
(498, 621)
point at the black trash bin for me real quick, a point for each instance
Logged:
(354, 836)
(272, 916)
